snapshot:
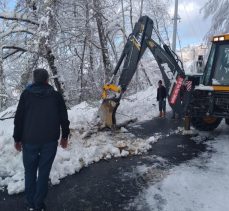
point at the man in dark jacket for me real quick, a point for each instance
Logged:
(40, 114)
(161, 98)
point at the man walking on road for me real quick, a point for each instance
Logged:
(161, 98)
(40, 114)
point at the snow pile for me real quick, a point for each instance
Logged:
(82, 116)
(100, 146)
(11, 168)
(81, 151)
(142, 106)
(201, 184)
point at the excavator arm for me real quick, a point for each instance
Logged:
(172, 72)
(135, 47)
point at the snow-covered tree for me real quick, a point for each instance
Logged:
(79, 42)
(218, 11)
(32, 27)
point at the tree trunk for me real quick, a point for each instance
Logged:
(89, 39)
(131, 15)
(2, 92)
(81, 70)
(102, 39)
(113, 48)
(46, 41)
(51, 63)
(27, 74)
(123, 24)
(166, 32)
(91, 58)
(146, 76)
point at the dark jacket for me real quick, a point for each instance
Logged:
(161, 93)
(40, 113)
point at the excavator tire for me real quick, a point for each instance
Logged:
(207, 123)
(227, 121)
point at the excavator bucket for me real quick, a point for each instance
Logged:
(107, 112)
(109, 105)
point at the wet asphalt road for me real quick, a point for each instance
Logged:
(111, 185)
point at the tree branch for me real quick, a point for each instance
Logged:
(16, 17)
(16, 30)
(16, 50)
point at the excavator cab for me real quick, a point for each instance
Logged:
(217, 68)
(210, 102)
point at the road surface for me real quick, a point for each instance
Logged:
(112, 184)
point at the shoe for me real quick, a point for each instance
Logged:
(30, 209)
(160, 114)
(163, 114)
(41, 209)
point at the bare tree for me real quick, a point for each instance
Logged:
(39, 33)
(103, 39)
(77, 41)
(218, 10)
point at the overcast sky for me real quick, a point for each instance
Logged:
(192, 27)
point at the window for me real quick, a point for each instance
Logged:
(209, 66)
(221, 75)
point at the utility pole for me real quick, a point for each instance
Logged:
(1, 78)
(175, 19)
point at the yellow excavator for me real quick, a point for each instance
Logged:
(205, 97)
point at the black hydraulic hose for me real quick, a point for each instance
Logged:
(170, 53)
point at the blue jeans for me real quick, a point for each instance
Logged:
(37, 160)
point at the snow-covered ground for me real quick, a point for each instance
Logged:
(82, 150)
(201, 184)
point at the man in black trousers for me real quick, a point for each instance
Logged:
(161, 98)
(40, 114)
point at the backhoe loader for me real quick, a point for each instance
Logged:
(205, 97)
